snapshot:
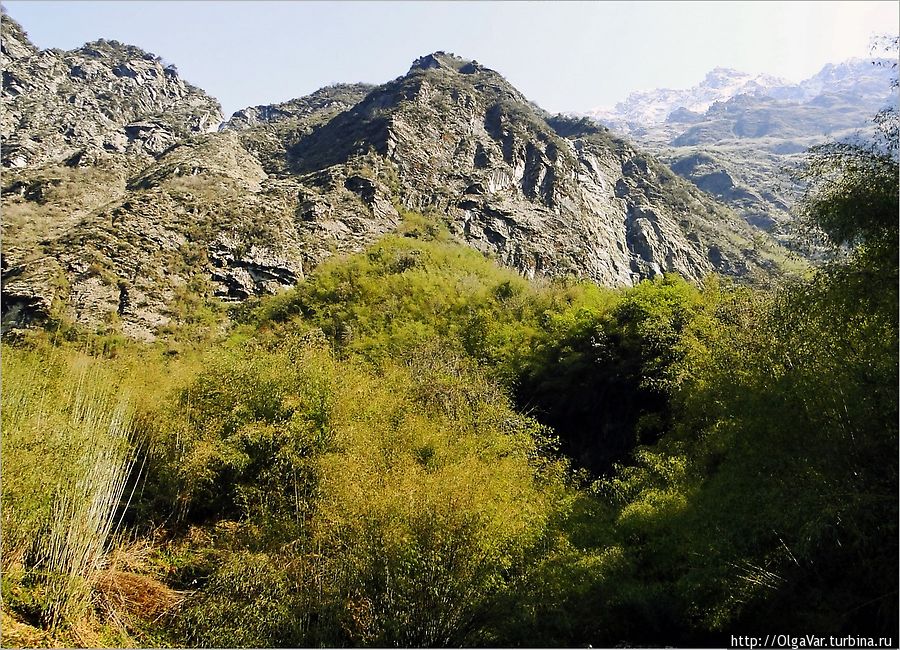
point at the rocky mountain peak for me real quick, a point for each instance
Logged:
(440, 59)
(545, 195)
(731, 80)
(719, 77)
(103, 48)
(104, 97)
(329, 98)
(14, 42)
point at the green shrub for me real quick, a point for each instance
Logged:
(420, 493)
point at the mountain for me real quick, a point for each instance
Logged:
(738, 136)
(644, 108)
(123, 211)
(863, 84)
(102, 97)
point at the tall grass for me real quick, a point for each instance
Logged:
(68, 453)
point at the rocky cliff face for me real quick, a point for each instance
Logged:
(545, 195)
(121, 210)
(102, 97)
(116, 194)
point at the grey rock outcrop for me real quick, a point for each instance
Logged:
(118, 194)
(102, 97)
(545, 195)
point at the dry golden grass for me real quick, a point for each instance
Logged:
(128, 597)
(68, 453)
(126, 593)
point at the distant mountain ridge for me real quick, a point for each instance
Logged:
(737, 136)
(864, 78)
(643, 108)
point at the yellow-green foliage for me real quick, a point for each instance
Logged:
(67, 455)
(398, 502)
(406, 291)
(433, 495)
(771, 487)
(365, 460)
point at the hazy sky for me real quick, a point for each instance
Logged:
(563, 55)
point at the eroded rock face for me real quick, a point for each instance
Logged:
(124, 221)
(103, 97)
(241, 274)
(118, 193)
(27, 293)
(203, 219)
(545, 195)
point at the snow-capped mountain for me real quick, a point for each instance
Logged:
(654, 106)
(861, 78)
(734, 135)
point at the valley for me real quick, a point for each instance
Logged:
(420, 364)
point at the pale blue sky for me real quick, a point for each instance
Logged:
(566, 56)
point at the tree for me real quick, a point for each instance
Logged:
(852, 191)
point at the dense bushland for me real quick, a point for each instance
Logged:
(417, 447)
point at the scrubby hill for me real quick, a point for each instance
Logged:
(351, 464)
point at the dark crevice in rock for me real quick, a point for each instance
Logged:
(123, 299)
